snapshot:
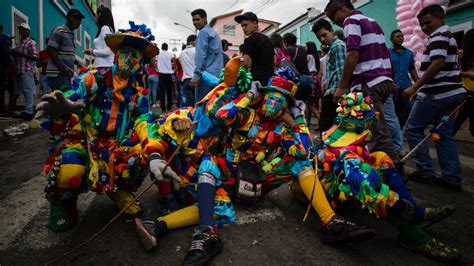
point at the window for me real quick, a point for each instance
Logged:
(78, 35)
(87, 40)
(17, 18)
(229, 30)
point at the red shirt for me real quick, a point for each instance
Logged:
(43, 56)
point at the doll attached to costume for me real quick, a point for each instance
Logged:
(90, 122)
(348, 171)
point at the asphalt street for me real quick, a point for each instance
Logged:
(268, 233)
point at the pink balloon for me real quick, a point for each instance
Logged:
(402, 9)
(405, 15)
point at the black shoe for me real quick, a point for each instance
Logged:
(26, 116)
(417, 177)
(148, 231)
(340, 230)
(448, 185)
(169, 204)
(206, 244)
(434, 215)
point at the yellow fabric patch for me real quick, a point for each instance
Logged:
(67, 171)
(348, 138)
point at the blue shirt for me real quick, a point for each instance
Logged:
(208, 53)
(402, 63)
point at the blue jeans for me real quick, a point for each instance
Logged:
(153, 88)
(25, 84)
(45, 89)
(202, 89)
(425, 111)
(59, 83)
(393, 124)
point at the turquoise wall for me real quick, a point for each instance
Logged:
(382, 11)
(52, 17)
(307, 35)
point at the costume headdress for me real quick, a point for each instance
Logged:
(138, 37)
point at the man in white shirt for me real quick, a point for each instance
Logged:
(165, 70)
(186, 59)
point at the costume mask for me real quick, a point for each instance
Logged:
(128, 61)
(274, 105)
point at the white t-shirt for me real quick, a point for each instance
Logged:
(186, 58)
(164, 62)
(311, 64)
(104, 57)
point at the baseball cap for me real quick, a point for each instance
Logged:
(246, 16)
(24, 26)
(224, 42)
(75, 13)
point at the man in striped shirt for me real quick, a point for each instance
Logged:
(440, 91)
(367, 68)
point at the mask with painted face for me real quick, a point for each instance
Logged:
(274, 105)
(128, 61)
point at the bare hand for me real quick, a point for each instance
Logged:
(338, 94)
(182, 124)
(193, 82)
(407, 93)
(89, 51)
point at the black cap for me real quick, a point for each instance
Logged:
(75, 13)
(246, 16)
(224, 42)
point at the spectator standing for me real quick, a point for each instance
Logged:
(208, 53)
(467, 75)
(313, 67)
(25, 54)
(225, 48)
(299, 58)
(333, 65)
(403, 64)
(440, 91)
(43, 63)
(186, 59)
(104, 57)
(61, 50)
(257, 49)
(165, 72)
(367, 68)
(5, 61)
(279, 50)
(152, 81)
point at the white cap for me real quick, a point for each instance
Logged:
(25, 26)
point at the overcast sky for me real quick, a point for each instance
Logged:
(160, 15)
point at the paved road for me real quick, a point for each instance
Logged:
(266, 234)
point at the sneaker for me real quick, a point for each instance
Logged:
(340, 230)
(417, 177)
(148, 231)
(434, 215)
(154, 106)
(26, 116)
(436, 250)
(206, 244)
(169, 204)
(443, 183)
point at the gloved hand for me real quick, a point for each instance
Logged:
(156, 168)
(254, 89)
(56, 104)
(298, 109)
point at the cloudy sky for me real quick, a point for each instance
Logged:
(160, 15)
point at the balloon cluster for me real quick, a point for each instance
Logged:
(406, 13)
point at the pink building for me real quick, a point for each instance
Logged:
(230, 30)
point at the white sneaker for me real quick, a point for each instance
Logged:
(154, 105)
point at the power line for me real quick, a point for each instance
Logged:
(233, 4)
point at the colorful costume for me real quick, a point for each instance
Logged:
(92, 149)
(348, 171)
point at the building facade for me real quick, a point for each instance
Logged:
(44, 15)
(459, 16)
(230, 30)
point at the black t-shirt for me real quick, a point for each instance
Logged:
(301, 60)
(260, 49)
